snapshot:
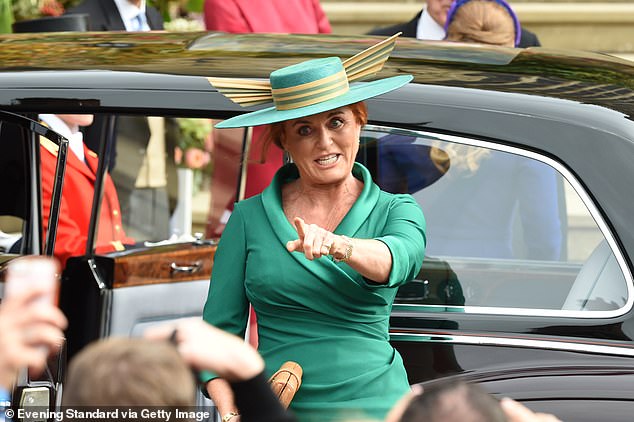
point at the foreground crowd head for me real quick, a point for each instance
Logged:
(457, 401)
(453, 401)
(129, 372)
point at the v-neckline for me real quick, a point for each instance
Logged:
(354, 218)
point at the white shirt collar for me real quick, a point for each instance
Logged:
(128, 11)
(75, 139)
(428, 28)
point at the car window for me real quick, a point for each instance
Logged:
(10, 233)
(171, 178)
(22, 142)
(504, 229)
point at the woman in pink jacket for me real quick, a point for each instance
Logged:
(274, 16)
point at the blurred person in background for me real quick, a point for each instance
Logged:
(429, 24)
(119, 15)
(78, 192)
(479, 202)
(483, 21)
(272, 16)
(137, 164)
(531, 195)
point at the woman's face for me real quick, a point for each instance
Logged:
(324, 145)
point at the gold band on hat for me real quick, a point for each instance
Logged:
(255, 92)
(312, 92)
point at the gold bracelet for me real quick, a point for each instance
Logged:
(347, 253)
(229, 416)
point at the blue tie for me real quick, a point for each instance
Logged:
(137, 22)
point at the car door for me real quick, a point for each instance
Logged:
(519, 265)
(160, 169)
(21, 226)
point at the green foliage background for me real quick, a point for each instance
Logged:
(17, 10)
(163, 6)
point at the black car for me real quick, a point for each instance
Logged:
(520, 160)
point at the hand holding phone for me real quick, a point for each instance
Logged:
(31, 325)
(33, 274)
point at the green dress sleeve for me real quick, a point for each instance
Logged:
(227, 306)
(404, 235)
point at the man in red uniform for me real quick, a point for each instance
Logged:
(78, 191)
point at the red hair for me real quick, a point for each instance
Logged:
(274, 133)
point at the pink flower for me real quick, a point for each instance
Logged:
(196, 158)
(51, 8)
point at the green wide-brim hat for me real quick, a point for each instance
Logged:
(310, 87)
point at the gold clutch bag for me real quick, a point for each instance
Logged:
(286, 381)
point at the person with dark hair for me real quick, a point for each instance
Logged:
(452, 400)
(429, 24)
(320, 253)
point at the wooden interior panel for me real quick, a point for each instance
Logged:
(164, 264)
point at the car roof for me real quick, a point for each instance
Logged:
(147, 58)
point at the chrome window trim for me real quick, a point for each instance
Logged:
(515, 342)
(585, 198)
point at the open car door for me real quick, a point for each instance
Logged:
(21, 231)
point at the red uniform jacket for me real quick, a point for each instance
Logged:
(77, 195)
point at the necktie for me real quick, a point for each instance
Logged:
(137, 23)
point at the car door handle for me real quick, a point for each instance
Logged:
(190, 269)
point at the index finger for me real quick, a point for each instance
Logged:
(299, 226)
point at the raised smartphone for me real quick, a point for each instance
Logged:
(30, 272)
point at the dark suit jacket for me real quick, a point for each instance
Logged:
(104, 15)
(408, 29)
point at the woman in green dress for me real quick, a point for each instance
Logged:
(320, 253)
